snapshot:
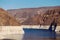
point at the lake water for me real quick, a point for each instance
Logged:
(35, 34)
(40, 34)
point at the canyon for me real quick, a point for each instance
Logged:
(36, 16)
(40, 17)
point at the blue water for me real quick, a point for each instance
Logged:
(40, 33)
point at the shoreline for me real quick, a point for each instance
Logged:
(40, 27)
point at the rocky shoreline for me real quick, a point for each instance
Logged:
(40, 27)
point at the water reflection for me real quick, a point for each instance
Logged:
(34, 34)
(37, 34)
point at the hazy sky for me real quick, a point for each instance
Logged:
(14, 4)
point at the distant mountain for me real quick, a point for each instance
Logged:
(6, 19)
(37, 16)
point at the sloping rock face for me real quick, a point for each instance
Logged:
(37, 16)
(6, 19)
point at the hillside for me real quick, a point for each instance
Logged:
(37, 16)
(6, 19)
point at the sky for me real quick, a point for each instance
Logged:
(15, 4)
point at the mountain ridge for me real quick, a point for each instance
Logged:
(43, 13)
(6, 19)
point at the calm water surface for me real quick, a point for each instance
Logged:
(35, 34)
(39, 34)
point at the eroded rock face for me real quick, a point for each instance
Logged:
(6, 19)
(35, 16)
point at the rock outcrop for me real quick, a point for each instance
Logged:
(6, 19)
(37, 16)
